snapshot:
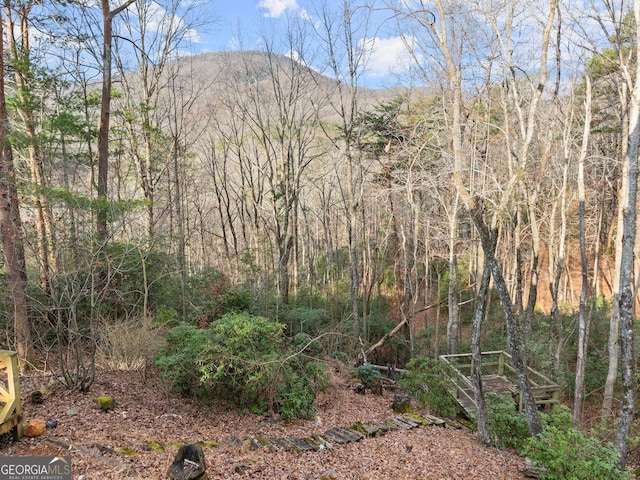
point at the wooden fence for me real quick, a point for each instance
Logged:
(10, 404)
(498, 375)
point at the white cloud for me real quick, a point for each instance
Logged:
(295, 56)
(275, 8)
(387, 55)
(162, 21)
(304, 15)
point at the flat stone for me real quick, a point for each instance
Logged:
(283, 444)
(264, 441)
(380, 427)
(409, 421)
(418, 419)
(334, 435)
(391, 425)
(434, 420)
(401, 423)
(364, 428)
(250, 445)
(347, 433)
(317, 442)
(300, 444)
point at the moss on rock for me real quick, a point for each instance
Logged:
(106, 402)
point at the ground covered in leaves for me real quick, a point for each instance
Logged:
(141, 436)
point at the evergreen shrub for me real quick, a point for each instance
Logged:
(366, 374)
(244, 360)
(568, 454)
(427, 382)
(507, 426)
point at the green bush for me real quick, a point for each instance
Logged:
(305, 320)
(242, 359)
(507, 426)
(560, 452)
(306, 344)
(567, 454)
(234, 300)
(366, 374)
(426, 381)
(295, 400)
(179, 359)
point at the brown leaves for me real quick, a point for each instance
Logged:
(147, 412)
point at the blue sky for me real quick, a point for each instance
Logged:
(249, 17)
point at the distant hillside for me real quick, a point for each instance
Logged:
(217, 71)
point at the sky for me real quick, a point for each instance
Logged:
(247, 18)
(225, 25)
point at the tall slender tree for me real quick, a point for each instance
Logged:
(583, 321)
(345, 60)
(28, 104)
(11, 233)
(627, 290)
(105, 115)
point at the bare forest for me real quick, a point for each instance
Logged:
(247, 225)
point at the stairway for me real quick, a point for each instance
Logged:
(334, 436)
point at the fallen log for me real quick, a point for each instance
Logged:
(395, 330)
(45, 391)
(386, 337)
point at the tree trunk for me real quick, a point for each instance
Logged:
(105, 117)
(11, 232)
(626, 265)
(453, 325)
(516, 348)
(24, 105)
(103, 128)
(613, 344)
(484, 436)
(583, 323)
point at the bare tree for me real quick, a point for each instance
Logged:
(583, 324)
(11, 231)
(105, 113)
(156, 34)
(27, 105)
(345, 60)
(627, 290)
(449, 40)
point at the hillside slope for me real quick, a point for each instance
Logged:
(110, 444)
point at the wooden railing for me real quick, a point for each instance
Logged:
(459, 369)
(10, 404)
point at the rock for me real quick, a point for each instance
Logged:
(242, 468)
(401, 403)
(188, 464)
(52, 424)
(35, 428)
(106, 402)
(531, 471)
(72, 412)
(250, 445)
